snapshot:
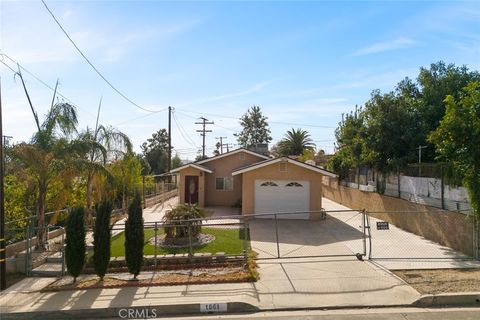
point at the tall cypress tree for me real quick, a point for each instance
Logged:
(101, 238)
(134, 237)
(75, 242)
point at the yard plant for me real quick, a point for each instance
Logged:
(134, 236)
(101, 238)
(75, 242)
(182, 222)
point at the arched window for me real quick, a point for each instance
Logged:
(269, 184)
(293, 184)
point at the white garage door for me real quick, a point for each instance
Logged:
(276, 196)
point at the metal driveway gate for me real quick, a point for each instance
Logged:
(336, 233)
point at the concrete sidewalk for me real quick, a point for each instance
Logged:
(306, 283)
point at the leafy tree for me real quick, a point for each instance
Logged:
(15, 203)
(105, 142)
(176, 161)
(390, 128)
(134, 236)
(75, 242)
(155, 151)
(457, 139)
(295, 143)
(200, 157)
(101, 238)
(50, 156)
(126, 173)
(435, 83)
(255, 128)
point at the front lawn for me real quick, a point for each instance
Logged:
(229, 241)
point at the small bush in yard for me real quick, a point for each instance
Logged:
(177, 227)
(134, 236)
(75, 242)
(101, 238)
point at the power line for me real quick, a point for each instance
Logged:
(274, 122)
(183, 133)
(93, 67)
(40, 81)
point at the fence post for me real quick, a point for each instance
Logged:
(62, 252)
(276, 236)
(143, 192)
(190, 248)
(364, 233)
(26, 249)
(398, 182)
(156, 244)
(442, 187)
(246, 237)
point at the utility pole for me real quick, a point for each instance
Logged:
(203, 131)
(420, 159)
(3, 265)
(221, 143)
(169, 166)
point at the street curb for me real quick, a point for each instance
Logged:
(448, 299)
(139, 312)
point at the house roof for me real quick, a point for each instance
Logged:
(286, 159)
(232, 153)
(192, 165)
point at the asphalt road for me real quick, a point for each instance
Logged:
(469, 313)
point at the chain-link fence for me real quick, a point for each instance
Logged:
(402, 237)
(431, 184)
(309, 234)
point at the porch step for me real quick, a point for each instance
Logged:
(48, 270)
(54, 259)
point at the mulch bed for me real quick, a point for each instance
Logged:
(162, 278)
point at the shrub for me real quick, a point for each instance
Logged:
(176, 226)
(134, 236)
(75, 242)
(101, 238)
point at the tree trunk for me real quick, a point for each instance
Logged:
(41, 231)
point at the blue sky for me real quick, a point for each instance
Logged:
(304, 63)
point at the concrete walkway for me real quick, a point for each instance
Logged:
(151, 214)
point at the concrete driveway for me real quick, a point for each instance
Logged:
(337, 278)
(396, 249)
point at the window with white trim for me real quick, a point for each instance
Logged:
(224, 183)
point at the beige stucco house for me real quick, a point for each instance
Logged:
(258, 183)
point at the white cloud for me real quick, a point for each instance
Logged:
(389, 45)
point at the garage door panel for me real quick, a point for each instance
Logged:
(276, 196)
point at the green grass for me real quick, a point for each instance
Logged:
(229, 241)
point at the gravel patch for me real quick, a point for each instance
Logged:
(442, 280)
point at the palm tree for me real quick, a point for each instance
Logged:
(295, 143)
(106, 142)
(49, 156)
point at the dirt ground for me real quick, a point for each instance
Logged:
(442, 280)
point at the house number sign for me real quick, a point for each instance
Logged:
(213, 307)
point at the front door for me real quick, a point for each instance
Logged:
(191, 189)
